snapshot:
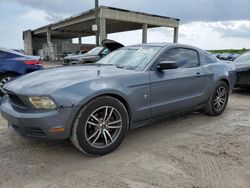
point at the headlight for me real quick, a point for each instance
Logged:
(42, 102)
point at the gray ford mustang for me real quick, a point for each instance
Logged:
(95, 104)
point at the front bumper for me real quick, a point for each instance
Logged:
(38, 124)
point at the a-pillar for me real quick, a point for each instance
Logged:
(144, 33)
(103, 32)
(176, 33)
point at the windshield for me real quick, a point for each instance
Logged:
(133, 58)
(95, 51)
(244, 58)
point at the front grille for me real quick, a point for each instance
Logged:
(29, 131)
(66, 60)
(16, 128)
(71, 61)
(36, 132)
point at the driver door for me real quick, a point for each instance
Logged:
(174, 90)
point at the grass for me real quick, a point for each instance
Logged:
(230, 51)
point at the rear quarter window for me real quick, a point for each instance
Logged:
(208, 58)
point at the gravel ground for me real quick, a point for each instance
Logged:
(189, 151)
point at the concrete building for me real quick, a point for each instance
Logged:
(55, 39)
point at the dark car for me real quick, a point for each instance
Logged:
(81, 52)
(96, 104)
(13, 64)
(227, 56)
(232, 57)
(93, 55)
(242, 64)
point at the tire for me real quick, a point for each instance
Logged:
(218, 100)
(4, 78)
(100, 126)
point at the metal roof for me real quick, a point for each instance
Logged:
(117, 20)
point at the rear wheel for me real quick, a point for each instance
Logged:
(218, 100)
(100, 126)
(3, 80)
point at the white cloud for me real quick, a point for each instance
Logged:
(210, 24)
(35, 17)
(237, 29)
(207, 35)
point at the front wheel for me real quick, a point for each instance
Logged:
(218, 100)
(100, 126)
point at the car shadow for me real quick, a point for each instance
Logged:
(135, 137)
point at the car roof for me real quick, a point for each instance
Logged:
(151, 44)
(163, 44)
(11, 51)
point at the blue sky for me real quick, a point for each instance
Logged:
(209, 24)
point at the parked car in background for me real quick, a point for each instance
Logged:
(242, 64)
(77, 53)
(19, 50)
(90, 57)
(96, 104)
(232, 57)
(227, 56)
(13, 64)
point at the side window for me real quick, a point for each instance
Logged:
(105, 52)
(185, 58)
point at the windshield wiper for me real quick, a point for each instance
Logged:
(96, 64)
(120, 67)
(125, 67)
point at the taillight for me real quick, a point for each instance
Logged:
(33, 62)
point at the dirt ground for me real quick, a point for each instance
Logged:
(189, 151)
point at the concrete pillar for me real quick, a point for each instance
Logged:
(103, 32)
(48, 33)
(144, 33)
(79, 40)
(176, 33)
(97, 22)
(28, 43)
(50, 50)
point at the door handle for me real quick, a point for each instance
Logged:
(198, 74)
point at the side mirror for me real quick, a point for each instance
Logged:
(167, 65)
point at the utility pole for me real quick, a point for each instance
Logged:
(97, 20)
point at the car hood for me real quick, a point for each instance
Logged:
(50, 80)
(111, 44)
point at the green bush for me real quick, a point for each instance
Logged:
(230, 51)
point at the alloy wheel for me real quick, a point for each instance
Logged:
(103, 127)
(220, 98)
